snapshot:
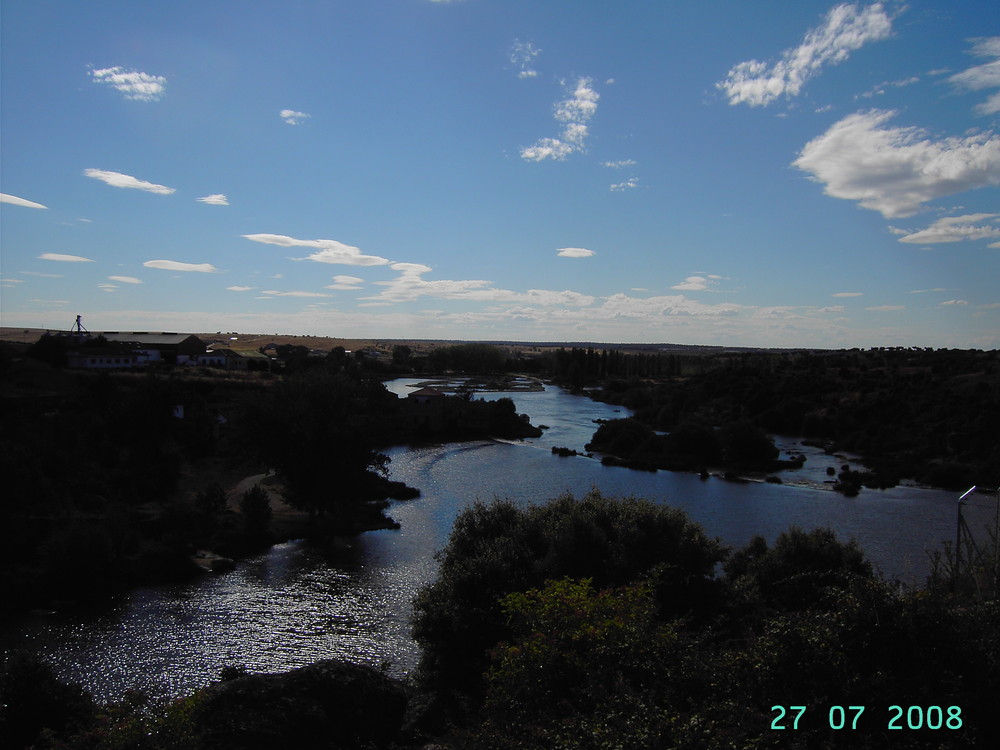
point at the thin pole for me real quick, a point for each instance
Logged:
(958, 539)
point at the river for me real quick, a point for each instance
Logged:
(292, 606)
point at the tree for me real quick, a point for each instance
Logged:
(584, 669)
(320, 431)
(500, 548)
(800, 570)
(255, 506)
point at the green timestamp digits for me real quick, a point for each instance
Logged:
(841, 717)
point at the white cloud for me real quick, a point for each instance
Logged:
(985, 76)
(328, 251)
(218, 199)
(575, 110)
(345, 283)
(886, 308)
(292, 117)
(896, 170)
(848, 294)
(65, 258)
(410, 285)
(107, 287)
(135, 85)
(621, 305)
(696, 284)
(126, 279)
(15, 201)
(846, 28)
(880, 89)
(632, 182)
(954, 303)
(294, 294)
(523, 54)
(238, 288)
(837, 309)
(44, 275)
(173, 265)
(620, 164)
(953, 229)
(575, 252)
(117, 179)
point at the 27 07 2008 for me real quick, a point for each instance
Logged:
(896, 717)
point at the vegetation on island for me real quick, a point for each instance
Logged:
(911, 413)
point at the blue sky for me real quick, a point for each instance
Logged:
(730, 173)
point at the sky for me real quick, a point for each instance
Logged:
(764, 174)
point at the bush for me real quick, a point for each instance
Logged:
(501, 548)
(799, 570)
(586, 669)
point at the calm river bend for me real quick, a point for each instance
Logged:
(291, 606)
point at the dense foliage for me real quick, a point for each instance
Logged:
(321, 432)
(929, 415)
(618, 660)
(501, 548)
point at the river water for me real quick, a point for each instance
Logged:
(293, 606)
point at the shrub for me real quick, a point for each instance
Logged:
(500, 548)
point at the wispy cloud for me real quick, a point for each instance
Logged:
(881, 88)
(125, 279)
(629, 184)
(132, 83)
(575, 111)
(886, 308)
(620, 164)
(65, 258)
(119, 180)
(848, 294)
(44, 275)
(522, 55)
(896, 170)
(698, 283)
(15, 201)
(274, 293)
(218, 199)
(985, 76)
(345, 283)
(174, 265)
(292, 117)
(107, 287)
(954, 303)
(846, 28)
(411, 285)
(575, 252)
(622, 305)
(328, 251)
(954, 229)
(239, 288)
